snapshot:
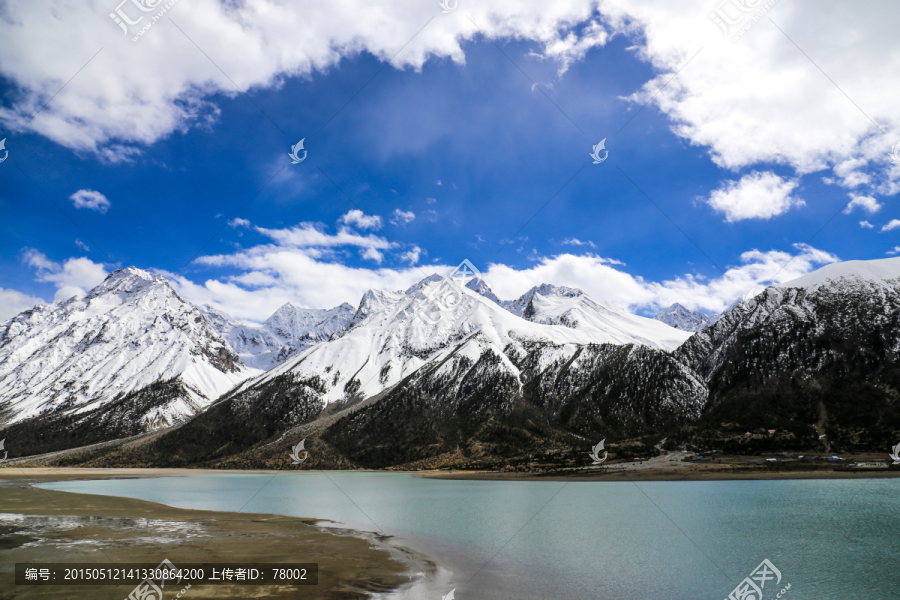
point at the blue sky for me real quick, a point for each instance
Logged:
(466, 152)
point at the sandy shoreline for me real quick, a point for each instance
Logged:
(38, 525)
(674, 467)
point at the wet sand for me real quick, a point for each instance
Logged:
(39, 525)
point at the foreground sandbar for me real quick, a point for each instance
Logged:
(38, 525)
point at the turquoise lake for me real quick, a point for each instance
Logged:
(504, 540)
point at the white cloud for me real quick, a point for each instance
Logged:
(239, 222)
(894, 251)
(82, 245)
(310, 235)
(272, 274)
(573, 47)
(403, 217)
(361, 220)
(412, 256)
(600, 278)
(438, 182)
(894, 224)
(71, 278)
(13, 302)
(90, 199)
(866, 225)
(136, 93)
(760, 99)
(755, 196)
(431, 200)
(372, 254)
(577, 242)
(867, 203)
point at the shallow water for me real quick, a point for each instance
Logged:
(506, 540)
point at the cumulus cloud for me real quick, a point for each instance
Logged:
(13, 302)
(602, 280)
(866, 225)
(372, 254)
(90, 199)
(894, 224)
(82, 245)
(133, 94)
(271, 274)
(867, 203)
(412, 256)
(239, 222)
(71, 277)
(403, 217)
(755, 196)
(361, 220)
(894, 251)
(760, 99)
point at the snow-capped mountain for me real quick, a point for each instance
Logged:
(288, 331)
(683, 319)
(814, 356)
(842, 296)
(395, 333)
(440, 367)
(79, 355)
(607, 323)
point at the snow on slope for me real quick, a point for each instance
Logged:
(395, 333)
(608, 323)
(288, 331)
(883, 271)
(128, 332)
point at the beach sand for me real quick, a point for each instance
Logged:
(39, 525)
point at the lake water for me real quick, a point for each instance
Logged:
(505, 540)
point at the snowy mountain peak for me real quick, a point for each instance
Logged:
(681, 318)
(520, 305)
(128, 333)
(419, 285)
(128, 280)
(396, 333)
(478, 286)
